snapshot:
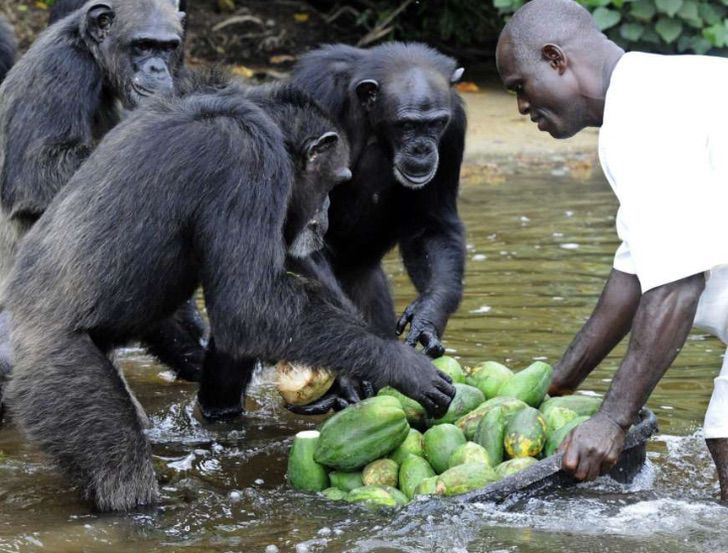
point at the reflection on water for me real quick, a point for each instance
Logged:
(539, 250)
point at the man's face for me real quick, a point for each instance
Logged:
(546, 91)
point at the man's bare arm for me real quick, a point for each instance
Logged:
(607, 325)
(661, 325)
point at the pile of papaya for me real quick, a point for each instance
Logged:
(385, 450)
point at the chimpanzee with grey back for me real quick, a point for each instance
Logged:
(186, 191)
(406, 126)
(58, 101)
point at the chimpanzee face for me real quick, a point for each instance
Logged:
(325, 164)
(138, 45)
(410, 114)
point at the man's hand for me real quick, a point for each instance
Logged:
(422, 329)
(560, 385)
(593, 447)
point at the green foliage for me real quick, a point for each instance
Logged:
(669, 26)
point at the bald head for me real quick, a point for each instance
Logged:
(539, 22)
(553, 56)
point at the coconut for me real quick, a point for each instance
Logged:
(300, 384)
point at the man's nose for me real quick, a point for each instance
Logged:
(523, 106)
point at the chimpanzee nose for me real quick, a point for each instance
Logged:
(421, 149)
(155, 67)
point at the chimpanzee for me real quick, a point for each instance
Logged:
(406, 126)
(58, 101)
(186, 191)
(8, 47)
(223, 384)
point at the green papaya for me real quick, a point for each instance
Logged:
(334, 494)
(414, 470)
(491, 432)
(488, 377)
(466, 399)
(412, 444)
(303, 472)
(440, 442)
(374, 497)
(553, 441)
(361, 433)
(469, 452)
(398, 496)
(427, 486)
(382, 472)
(525, 433)
(450, 367)
(464, 478)
(529, 385)
(580, 404)
(416, 414)
(556, 417)
(507, 468)
(469, 423)
(346, 481)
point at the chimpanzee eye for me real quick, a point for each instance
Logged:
(406, 126)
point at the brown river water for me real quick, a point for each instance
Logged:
(540, 243)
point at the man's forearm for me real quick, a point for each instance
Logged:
(661, 325)
(608, 324)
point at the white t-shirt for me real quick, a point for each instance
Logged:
(663, 146)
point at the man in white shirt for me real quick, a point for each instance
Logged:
(663, 145)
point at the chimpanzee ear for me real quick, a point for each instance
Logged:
(99, 19)
(457, 75)
(366, 91)
(324, 142)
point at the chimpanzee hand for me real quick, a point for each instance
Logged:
(344, 392)
(593, 447)
(420, 380)
(422, 329)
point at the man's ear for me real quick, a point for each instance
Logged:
(555, 56)
(367, 91)
(99, 19)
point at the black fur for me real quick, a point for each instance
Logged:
(125, 244)
(376, 212)
(57, 102)
(8, 47)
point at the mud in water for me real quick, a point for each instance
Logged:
(539, 249)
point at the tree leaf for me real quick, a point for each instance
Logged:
(632, 31)
(716, 34)
(643, 10)
(669, 29)
(670, 7)
(606, 18)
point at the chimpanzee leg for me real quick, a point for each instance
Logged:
(71, 401)
(223, 384)
(176, 342)
(369, 291)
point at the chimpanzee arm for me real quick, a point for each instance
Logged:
(607, 325)
(661, 325)
(432, 244)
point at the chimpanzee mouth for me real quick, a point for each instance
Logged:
(414, 181)
(143, 91)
